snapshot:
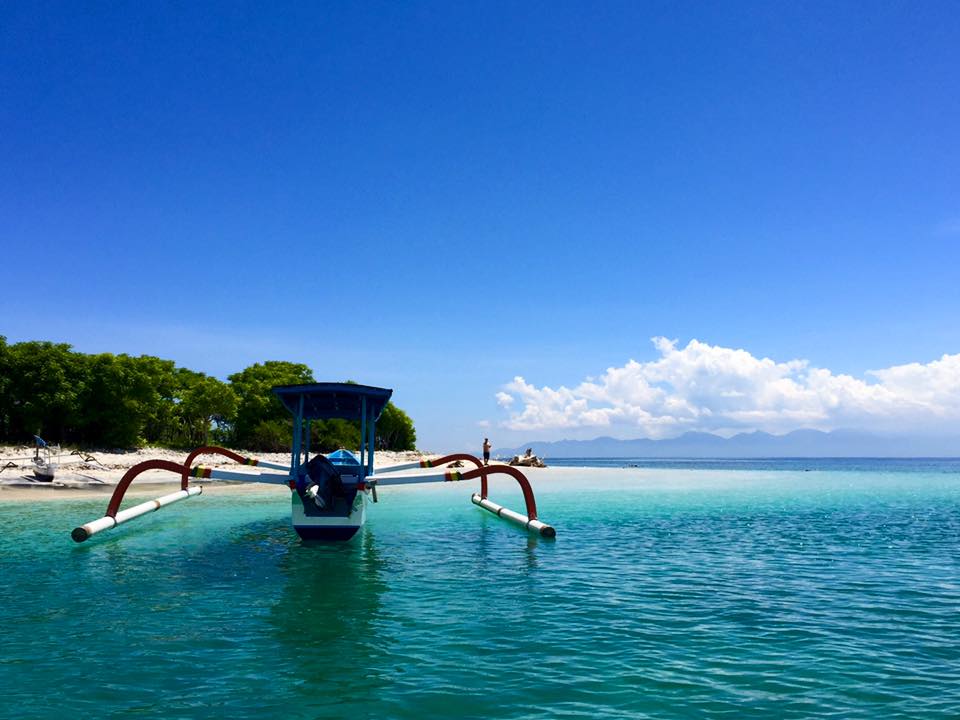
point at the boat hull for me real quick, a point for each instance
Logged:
(326, 533)
(339, 527)
(44, 472)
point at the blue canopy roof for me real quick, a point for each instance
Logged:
(333, 400)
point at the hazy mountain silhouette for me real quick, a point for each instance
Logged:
(799, 443)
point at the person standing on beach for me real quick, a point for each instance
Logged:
(486, 451)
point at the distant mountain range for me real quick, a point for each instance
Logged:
(799, 443)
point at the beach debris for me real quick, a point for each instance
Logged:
(528, 459)
(88, 459)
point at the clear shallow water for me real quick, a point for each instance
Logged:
(931, 465)
(668, 593)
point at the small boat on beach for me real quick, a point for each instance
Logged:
(45, 463)
(41, 463)
(44, 471)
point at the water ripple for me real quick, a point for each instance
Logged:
(664, 596)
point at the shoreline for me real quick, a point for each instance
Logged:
(77, 479)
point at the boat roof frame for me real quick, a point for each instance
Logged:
(326, 401)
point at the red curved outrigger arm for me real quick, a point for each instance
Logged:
(482, 471)
(130, 474)
(183, 470)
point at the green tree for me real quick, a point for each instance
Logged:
(5, 375)
(206, 402)
(395, 430)
(122, 397)
(262, 423)
(41, 386)
(157, 387)
(333, 434)
(124, 401)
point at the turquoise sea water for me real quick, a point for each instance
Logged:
(668, 593)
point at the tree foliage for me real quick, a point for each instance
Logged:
(121, 401)
(395, 430)
(262, 423)
(206, 404)
(333, 434)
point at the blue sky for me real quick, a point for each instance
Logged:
(443, 197)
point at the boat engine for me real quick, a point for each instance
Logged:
(322, 484)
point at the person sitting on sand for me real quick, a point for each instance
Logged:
(486, 451)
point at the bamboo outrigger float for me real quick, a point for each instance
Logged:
(328, 492)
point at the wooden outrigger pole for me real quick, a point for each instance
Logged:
(329, 492)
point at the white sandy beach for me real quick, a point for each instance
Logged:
(78, 479)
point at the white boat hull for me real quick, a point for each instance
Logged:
(44, 472)
(329, 528)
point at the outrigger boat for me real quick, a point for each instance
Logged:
(42, 462)
(329, 493)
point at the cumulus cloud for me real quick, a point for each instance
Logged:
(718, 389)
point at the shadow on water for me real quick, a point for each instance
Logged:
(324, 622)
(496, 536)
(293, 623)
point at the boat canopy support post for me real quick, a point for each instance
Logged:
(371, 436)
(363, 432)
(306, 445)
(297, 442)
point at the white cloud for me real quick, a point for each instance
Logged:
(718, 389)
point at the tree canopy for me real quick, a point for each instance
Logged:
(107, 400)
